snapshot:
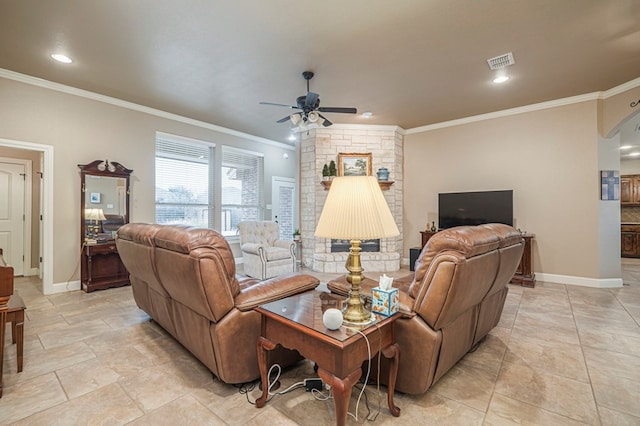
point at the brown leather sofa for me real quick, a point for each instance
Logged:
(185, 279)
(451, 301)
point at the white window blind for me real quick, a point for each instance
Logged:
(184, 182)
(242, 187)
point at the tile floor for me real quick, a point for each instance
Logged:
(560, 355)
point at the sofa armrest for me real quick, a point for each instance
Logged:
(342, 287)
(252, 248)
(288, 244)
(274, 289)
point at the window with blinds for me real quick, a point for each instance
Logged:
(184, 181)
(241, 186)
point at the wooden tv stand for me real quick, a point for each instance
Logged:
(524, 275)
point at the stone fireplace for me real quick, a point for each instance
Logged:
(318, 147)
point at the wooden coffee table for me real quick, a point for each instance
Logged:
(296, 323)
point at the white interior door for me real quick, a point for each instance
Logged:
(12, 187)
(283, 205)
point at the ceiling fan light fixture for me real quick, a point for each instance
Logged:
(313, 117)
(295, 119)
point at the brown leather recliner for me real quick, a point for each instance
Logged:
(185, 279)
(451, 301)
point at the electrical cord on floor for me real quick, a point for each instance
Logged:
(375, 415)
(77, 265)
(246, 388)
(366, 379)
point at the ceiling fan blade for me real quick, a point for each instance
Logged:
(282, 105)
(311, 99)
(326, 122)
(284, 119)
(338, 109)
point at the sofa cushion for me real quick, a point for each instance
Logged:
(276, 253)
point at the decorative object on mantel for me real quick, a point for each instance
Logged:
(325, 172)
(354, 164)
(355, 209)
(383, 174)
(383, 185)
(433, 226)
(296, 235)
(332, 169)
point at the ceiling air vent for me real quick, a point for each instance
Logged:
(501, 61)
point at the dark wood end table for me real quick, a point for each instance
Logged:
(296, 323)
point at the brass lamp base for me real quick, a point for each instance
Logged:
(355, 312)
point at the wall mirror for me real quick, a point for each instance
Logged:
(104, 207)
(104, 200)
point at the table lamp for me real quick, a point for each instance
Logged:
(97, 215)
(355, 210)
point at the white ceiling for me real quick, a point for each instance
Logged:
(410, 62)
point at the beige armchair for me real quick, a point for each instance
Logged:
(264, 254)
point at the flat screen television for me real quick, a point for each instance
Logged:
(475, 208)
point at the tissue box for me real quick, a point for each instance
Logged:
(384, 302)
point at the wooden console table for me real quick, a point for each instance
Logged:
(524, 275)
(296, 323)
(102, 267)
(426, 235)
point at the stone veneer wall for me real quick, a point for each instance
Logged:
(318, 147)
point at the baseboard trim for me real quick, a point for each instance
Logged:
(579, 281)
(65, 287)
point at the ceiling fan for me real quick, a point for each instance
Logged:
(310, 109)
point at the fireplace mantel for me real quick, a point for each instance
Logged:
(320, 146)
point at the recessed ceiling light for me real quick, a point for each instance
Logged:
(292, 137)
(61, 58)
(367, 114)
(500, 79)
(626, 147)
(633, 154)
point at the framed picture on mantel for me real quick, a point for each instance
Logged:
(354, 164)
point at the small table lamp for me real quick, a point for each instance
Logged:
(97, 215)
(355, 210)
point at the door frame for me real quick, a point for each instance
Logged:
(27, 205)
(275, 181)
(47, 209)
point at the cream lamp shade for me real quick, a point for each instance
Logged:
(356, 210)
(94, 214)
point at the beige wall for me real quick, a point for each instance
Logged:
(548, 157)
(82, 130)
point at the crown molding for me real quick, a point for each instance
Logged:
(27, 79)
(507, 112)
(622, 88)
(380, 127)
(529, 108)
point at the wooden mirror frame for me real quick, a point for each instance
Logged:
(107, 169)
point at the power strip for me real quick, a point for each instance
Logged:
(310, 384)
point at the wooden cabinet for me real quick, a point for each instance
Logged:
(524, 274)
(102, 267)
(630, 190)
(426, 235)
(630, 241)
